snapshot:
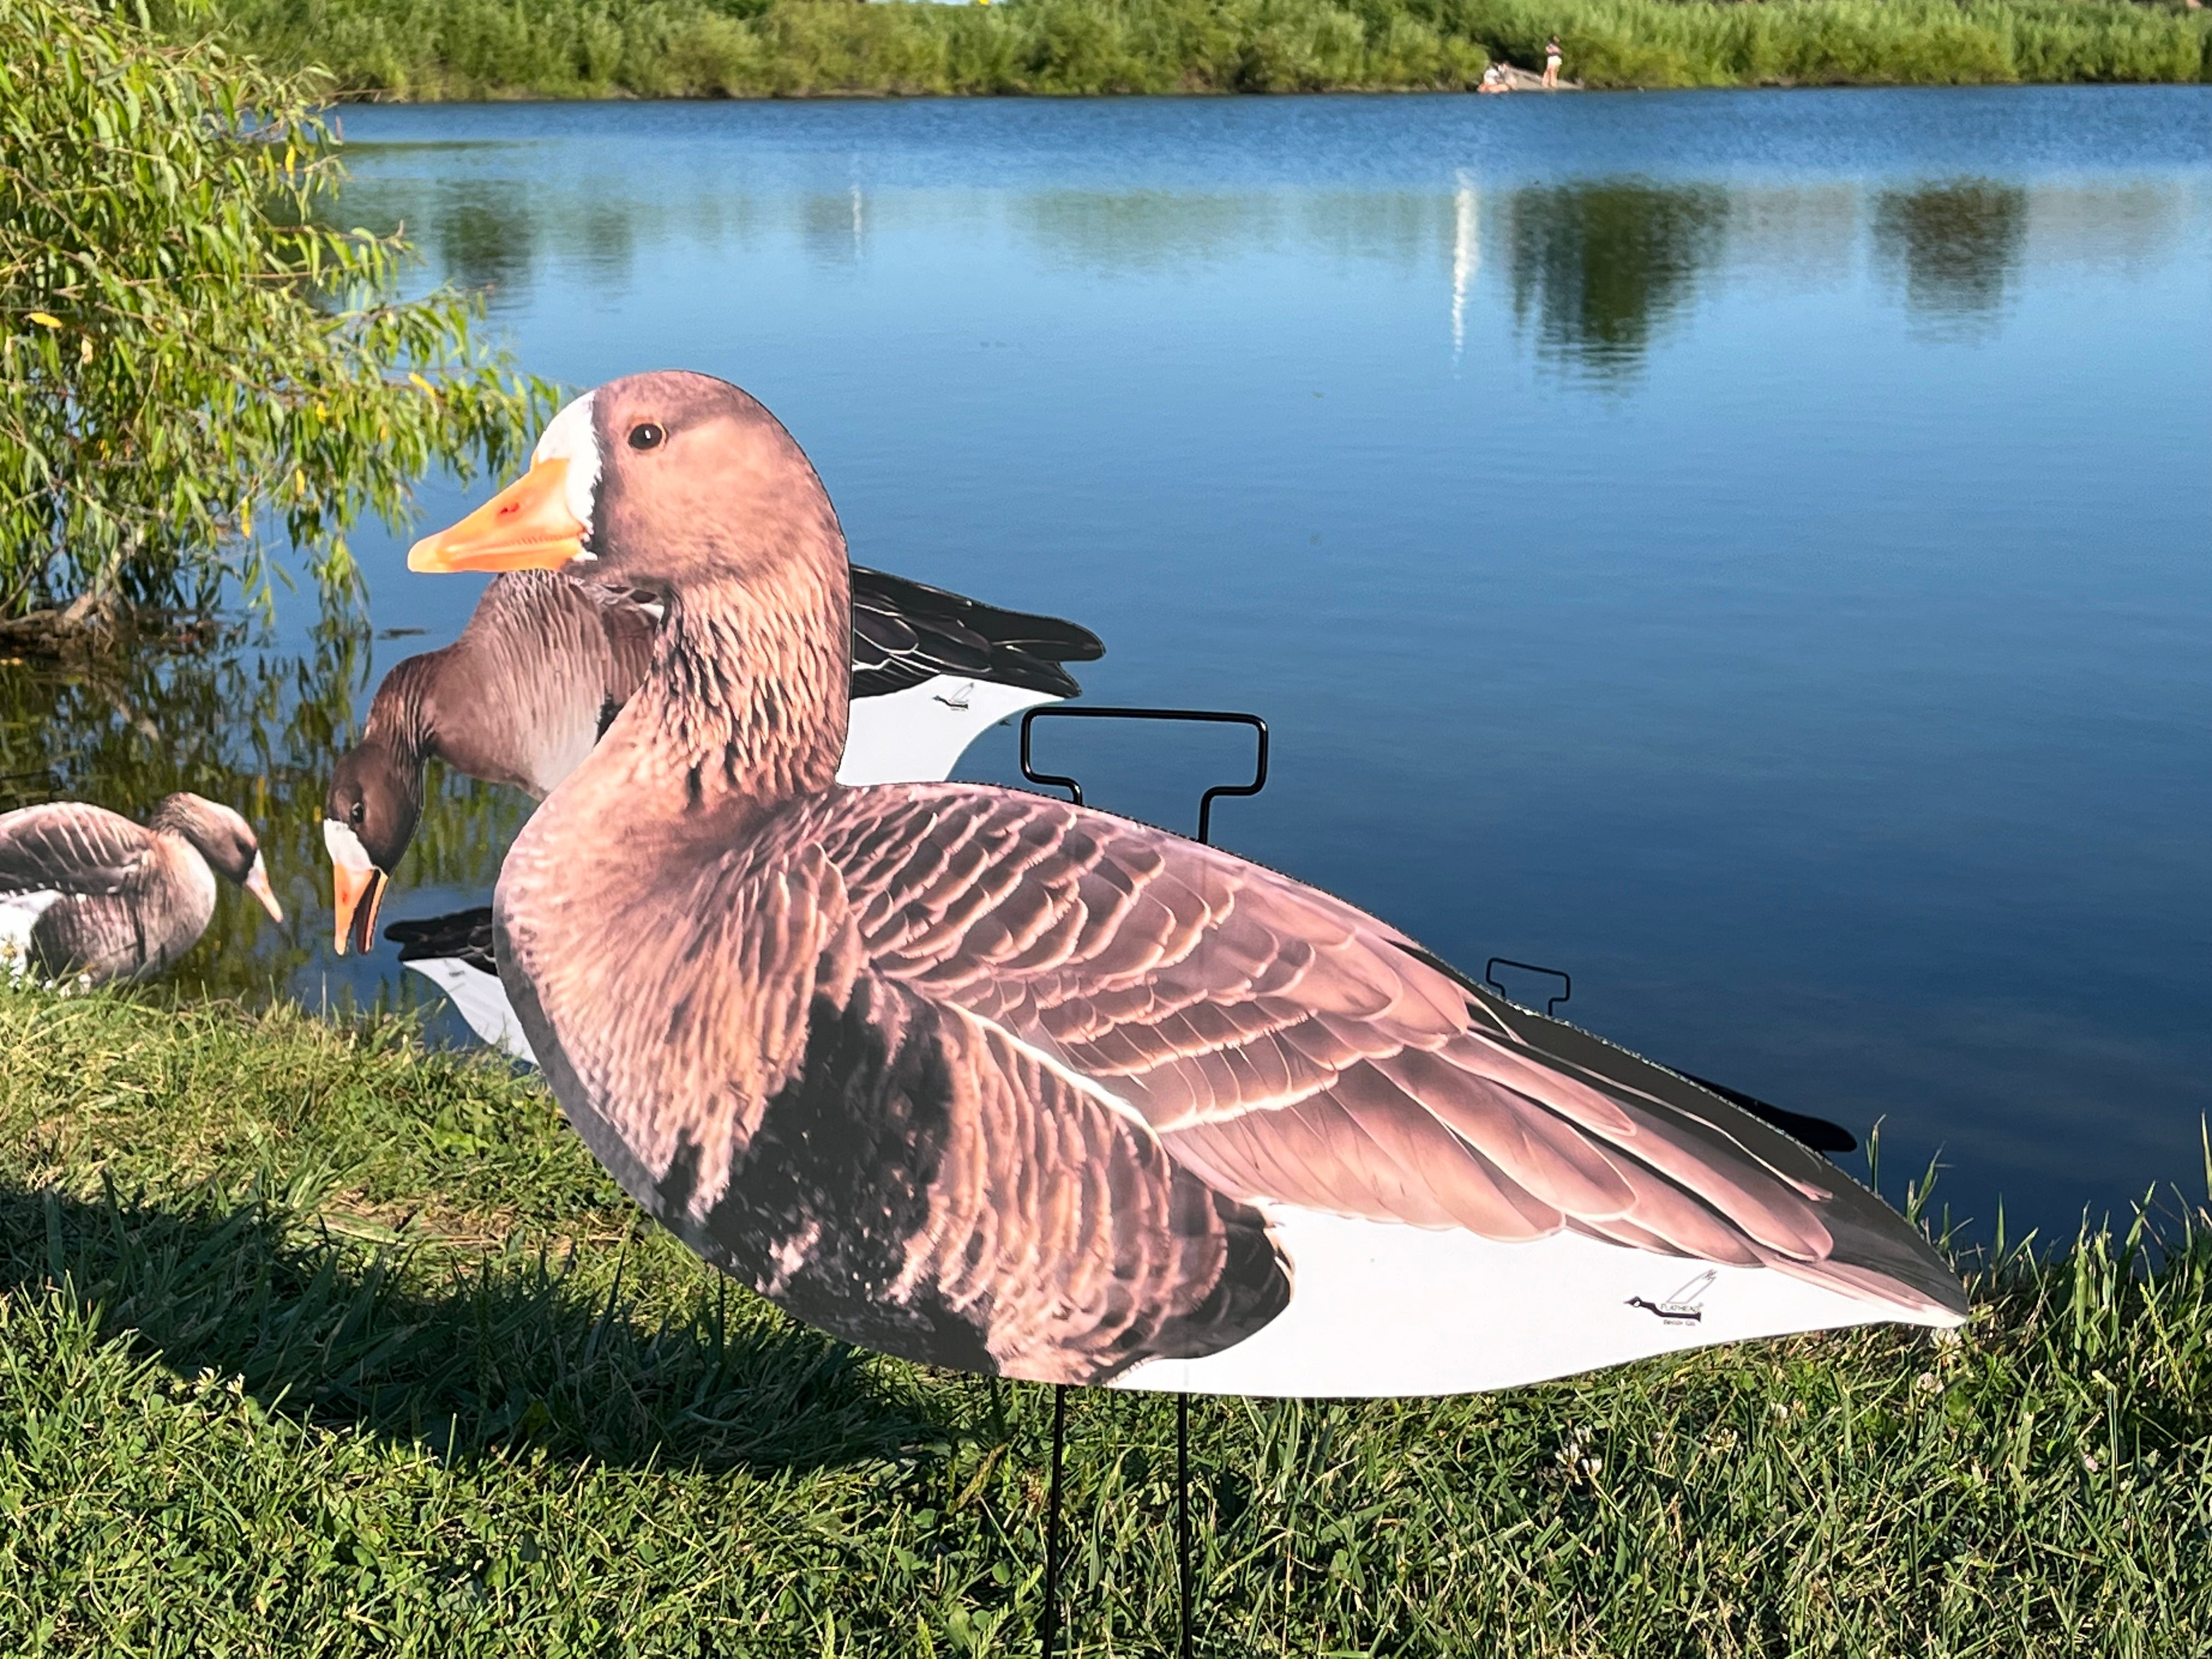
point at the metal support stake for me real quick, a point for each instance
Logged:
(1182, 1521)
(1206, 716)
(1052, 1520)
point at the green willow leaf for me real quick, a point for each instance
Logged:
(191, 350)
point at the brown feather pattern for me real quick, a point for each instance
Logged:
(1288, 1046)
(70, 846)
(134, 897)
(1277, 1042)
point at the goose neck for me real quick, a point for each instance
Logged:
(400, 716)
(746, 700)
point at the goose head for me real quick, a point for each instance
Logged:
(369, 814)
(659, 481)
(681, 487)
(224, 839)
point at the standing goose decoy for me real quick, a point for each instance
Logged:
(545, 662)
(989, 1080)
(84, 892)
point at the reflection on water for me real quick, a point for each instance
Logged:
(1467, 256)
(254, 727)
(1653, 527)
(836, 226)
(1597, 267)
(1596, 271)
(482, 238)
(1955, 247)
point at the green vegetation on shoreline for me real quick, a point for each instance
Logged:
(191, 354)
(441, 49)
(311, 1340)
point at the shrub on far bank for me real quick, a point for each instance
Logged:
(434, 49)
(186, 350)
(1658, 43)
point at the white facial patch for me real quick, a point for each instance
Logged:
(344, 846)
(568, 437)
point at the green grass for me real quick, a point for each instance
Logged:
(312, 1342)
(433, 49)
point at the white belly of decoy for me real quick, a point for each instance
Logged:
(1380, 1309)
(19, 915)
(483, 1002)
(918, 735)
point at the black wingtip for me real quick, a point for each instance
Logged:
(460, 936)
(1054, 637)
(1015, 648)
(1817, 1133)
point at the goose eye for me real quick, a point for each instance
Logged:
(646, 435)
(354, 813)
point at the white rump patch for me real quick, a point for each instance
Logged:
(19, 915)
(344, 846)
(919, 735)
(568, 437)
(1379, 1307)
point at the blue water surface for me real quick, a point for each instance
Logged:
(1748, 549)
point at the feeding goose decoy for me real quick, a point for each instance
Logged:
(989, 1080)
(519, 699)
(86, 893)
(545, 662)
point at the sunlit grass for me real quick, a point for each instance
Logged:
(430, 48)
(313, 1341)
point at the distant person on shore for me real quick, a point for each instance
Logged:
(1493, 80)
(1551, 62)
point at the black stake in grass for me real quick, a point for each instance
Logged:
(1052, 1520)
(1210, 717)
(1182, 1524)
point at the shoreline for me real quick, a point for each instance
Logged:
(341, 101)
(450, 51)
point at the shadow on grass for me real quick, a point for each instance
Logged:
(490, 1356)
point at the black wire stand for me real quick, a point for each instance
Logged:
(1566, 985)
(1048, 1625)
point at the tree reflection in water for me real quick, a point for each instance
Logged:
(256, 727)
(1602, 266)
(1957, 246)
(479, 240)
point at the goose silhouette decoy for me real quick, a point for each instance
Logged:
(454, 953)
(519, 698)
(988, 1080)
(86, 893)
(545, 662)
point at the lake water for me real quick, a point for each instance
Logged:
(1752, 551)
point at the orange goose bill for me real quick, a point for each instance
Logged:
(356, 888)
(987, 1080)
(545, 663)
